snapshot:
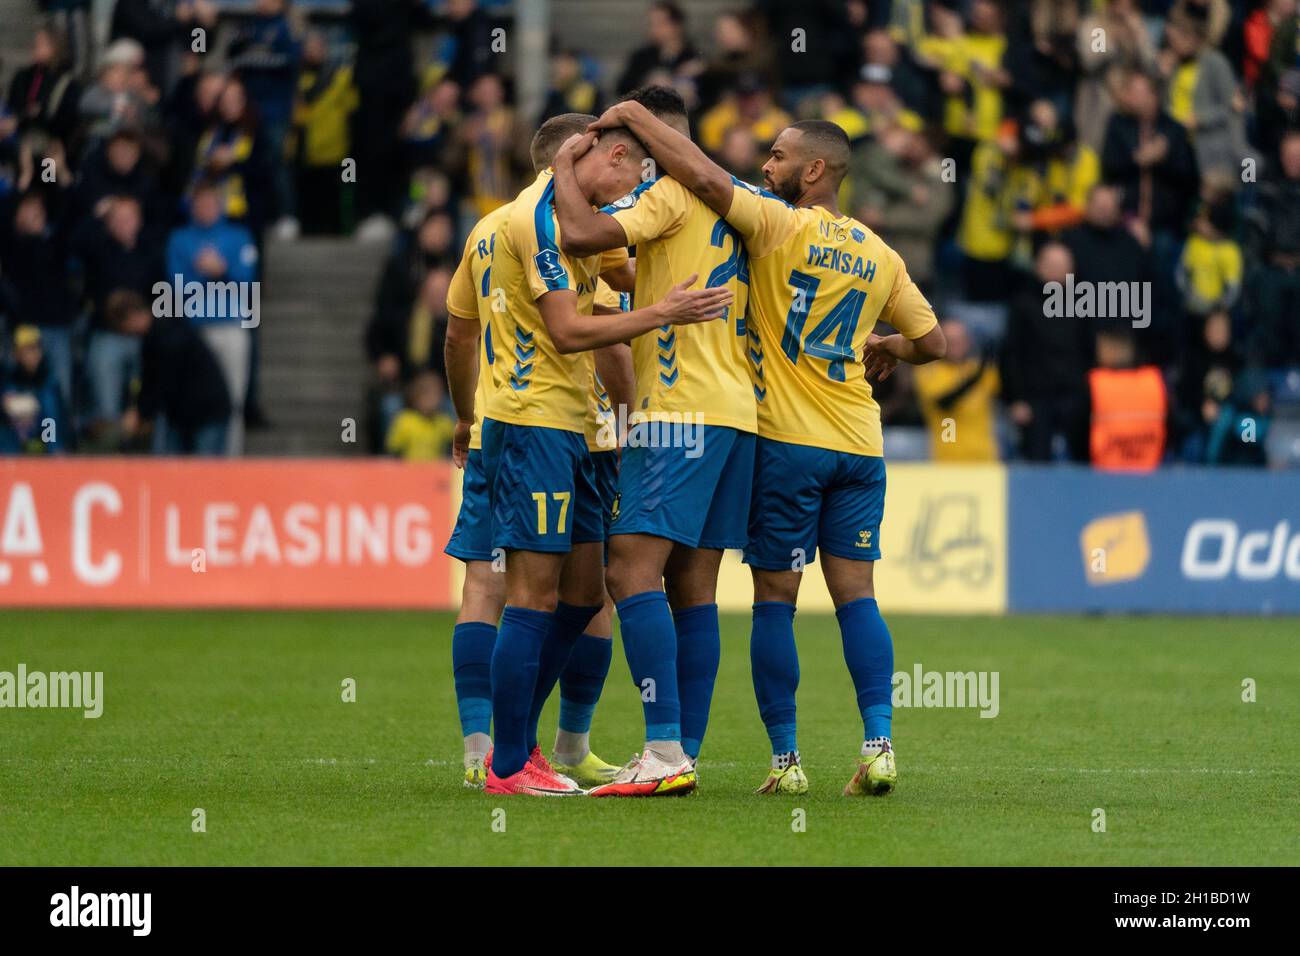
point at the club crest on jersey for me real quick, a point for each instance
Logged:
(548, 265)
(626, 202)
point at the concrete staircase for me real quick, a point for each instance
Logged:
(317, 296)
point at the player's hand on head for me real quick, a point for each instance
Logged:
(684, 305)
(610, 119)
(460, 444)
(576, 146)
(877, 360)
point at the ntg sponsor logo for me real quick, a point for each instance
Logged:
(1217, 548)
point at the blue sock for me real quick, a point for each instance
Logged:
(567, 624)
(650, 642)
(775, 665)
(699, 649)
(582, 681)
(869, 652)
(514, 675)
(471, 663)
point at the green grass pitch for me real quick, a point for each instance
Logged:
(241, 714)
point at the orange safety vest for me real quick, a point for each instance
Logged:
(1129, 407)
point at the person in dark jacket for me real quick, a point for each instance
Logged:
(183, 398)
(160, 26)
(1147, 154)
(233, 154)
(118, 168)
(669, 51)
(187, 114)
(408, 328)
(43, 95)
(828, 28)
(430, 248)
(1104, 251)
(469, 30)
(1045, 363)
(385, 79)
(1275, 235)
(33, 255)
(1222, 408)
(116, 255)
(265, 54)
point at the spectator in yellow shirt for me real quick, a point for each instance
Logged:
(957, 395)
(971, 71)
(750, 106)
(326, 100)
(422, 431)
(1210, 270)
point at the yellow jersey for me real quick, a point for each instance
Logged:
(818, 284)
(417, 437)
(1000, 186)
(1182, 92)
(716, 122)
(470, 296)
(538, 385)
(977, 115)
(689, 369)
(1211, 271)
(961, 428)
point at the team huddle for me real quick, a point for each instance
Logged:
(736, 346)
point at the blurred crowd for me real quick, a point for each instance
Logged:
(1140, 156)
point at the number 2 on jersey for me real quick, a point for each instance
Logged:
(737, 265)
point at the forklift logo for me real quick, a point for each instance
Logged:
(949, 542)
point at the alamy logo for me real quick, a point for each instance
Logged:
(683, 430)
(922, 688)
(1098, 300)
(77, 690)
(75, 908)
(208, 300)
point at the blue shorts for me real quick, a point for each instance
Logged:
(542, 488)
(606, 465)
(806, 497)
(697, 496)
(471, 539)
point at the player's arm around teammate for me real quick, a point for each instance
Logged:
(574, 332)
(674, 152)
